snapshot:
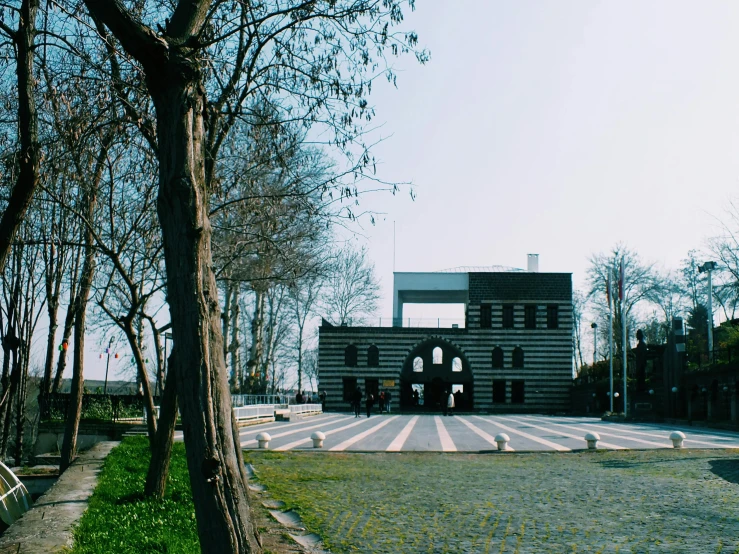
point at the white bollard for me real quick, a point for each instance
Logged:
(263, 440)
(592, 439)
(677, 438)
(502, 440)
(317, 437)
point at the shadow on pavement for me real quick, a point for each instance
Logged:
(726, 469)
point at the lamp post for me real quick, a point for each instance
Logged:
(107, 365)
(708, 267)
(594, 327)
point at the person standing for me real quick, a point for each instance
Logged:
(449, 404)
(388, 396)
(357, 401)
(382, 401)
(322, 396)
(370, 401)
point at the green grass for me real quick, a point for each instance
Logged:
(639, 501)
(120, 520)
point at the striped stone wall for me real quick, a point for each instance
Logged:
(548, 353)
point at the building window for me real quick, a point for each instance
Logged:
(508, 316)
(437, 355)
(499, 391)
(418, 364)
(350, 385)
(373, 356)
(497, 358)
(456, 365)
(518, 357)
(552, 316)
(350, 356)
(529, 320)
(517, 392)
(486, 316)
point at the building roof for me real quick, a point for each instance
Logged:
(481, 269)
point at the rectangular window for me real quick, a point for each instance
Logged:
(486, 316)
(508, 316)
(552, 316)
(530, 317)
(517, 392)
(350, 385)
(499, 391)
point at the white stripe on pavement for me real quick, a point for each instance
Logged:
(447, 444)
(545, 442)
(569, 435)
(286, 433)
(364, 434)
(257, 428)
(482, 434)
(621, 428)
(399, 441)
(292, 445)
(599, 429)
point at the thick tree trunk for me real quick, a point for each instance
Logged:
(161, 451)
(217, 474)
(28, 158)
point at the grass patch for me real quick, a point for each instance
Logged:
(120, 520)
(636, 501)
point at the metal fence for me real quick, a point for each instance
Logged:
(238, 400)
(255, 411)
(304, 409)
(95, 407)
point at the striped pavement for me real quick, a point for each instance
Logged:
(473, 433)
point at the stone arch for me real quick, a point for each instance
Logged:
(437, 379)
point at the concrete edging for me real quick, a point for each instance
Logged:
(47, 527)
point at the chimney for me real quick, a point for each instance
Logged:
(533, 265)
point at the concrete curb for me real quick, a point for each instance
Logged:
(47, 527)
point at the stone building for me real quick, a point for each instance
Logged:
(512, 353)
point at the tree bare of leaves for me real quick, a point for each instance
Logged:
(352, 289)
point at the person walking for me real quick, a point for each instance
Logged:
(322, 396)
(357, 401)
(382, 401)
(388, 396)
(449, 404)
(370, 401)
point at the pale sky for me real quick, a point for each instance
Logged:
(558, 128)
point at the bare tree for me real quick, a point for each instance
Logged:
(352, 289)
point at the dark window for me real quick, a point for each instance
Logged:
(350, 356)
(552, 317)
(529, 319)
(373, 356)
(508, 316)
(372, 387)
(350, 385)
(517, 392)
(499, 391)
(518, 357)
(486, 316)
(497, 358)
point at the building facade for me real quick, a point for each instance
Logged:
(513, 352)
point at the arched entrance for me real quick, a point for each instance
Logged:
(433, 369)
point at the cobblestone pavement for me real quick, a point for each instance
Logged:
(667, 501)
(471, 433)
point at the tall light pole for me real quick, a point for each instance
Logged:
(107, 365)
(708, 267)
(594, 327)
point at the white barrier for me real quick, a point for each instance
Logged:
(300, 410)
(242, 413)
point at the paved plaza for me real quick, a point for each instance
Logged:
(472, 433)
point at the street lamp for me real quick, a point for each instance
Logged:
(107, 365)
(708, 267)
(594, 327)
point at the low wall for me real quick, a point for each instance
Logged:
(51, 435)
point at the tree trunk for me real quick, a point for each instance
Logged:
(20, 420)
(52, 304)
(217, 474)
(28, 158)
(256, 350)
(8, 412)
(74, 411)
(161, 451)
(143, 378)
(234, 347)
(66, 335)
